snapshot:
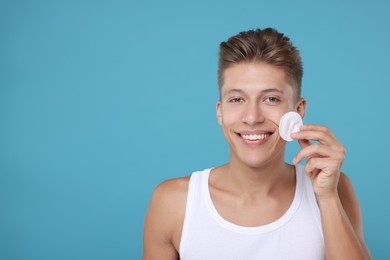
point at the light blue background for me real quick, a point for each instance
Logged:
(102, 100)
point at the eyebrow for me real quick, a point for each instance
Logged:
(234, 90)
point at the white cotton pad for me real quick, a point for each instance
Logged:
(289, 123)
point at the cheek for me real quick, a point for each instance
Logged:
(276, 115)
(230, 116)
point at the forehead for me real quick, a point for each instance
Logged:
(255, 77)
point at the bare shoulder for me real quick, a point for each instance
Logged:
(351, 207)
(350, 202)
(170, 189)
(345, 188)
(169, 200)
(170, 196)
(164, 219)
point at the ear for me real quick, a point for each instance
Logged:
(219, 112)
(301, 107)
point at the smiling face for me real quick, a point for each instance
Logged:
(254, 97)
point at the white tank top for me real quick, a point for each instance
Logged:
(295, 235)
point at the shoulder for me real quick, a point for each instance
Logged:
(351, 206)
(348, 197)
(170, 192)
(170, 196)
(167, 205)
(164, 219)
(349, 201)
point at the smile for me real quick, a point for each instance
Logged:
(255, 137)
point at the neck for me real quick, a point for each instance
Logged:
(262, 179)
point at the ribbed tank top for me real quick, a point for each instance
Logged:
(295, 235)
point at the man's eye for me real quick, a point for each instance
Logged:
(272, 99)
(236, 100)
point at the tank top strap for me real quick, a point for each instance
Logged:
(194, 200)
(310, 196)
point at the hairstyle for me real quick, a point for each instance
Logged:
(268, 46)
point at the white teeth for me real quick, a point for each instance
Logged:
(255, 137)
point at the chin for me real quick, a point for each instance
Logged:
(257, 164)
(259, 159)
(253, 161)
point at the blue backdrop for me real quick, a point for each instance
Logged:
(102, 100)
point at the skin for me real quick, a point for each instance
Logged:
(256, 180)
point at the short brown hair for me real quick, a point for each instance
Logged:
(267, 45)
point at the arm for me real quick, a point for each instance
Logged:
(342, 224)
(164, 220)
(340, 211)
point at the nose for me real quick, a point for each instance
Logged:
(253, 114)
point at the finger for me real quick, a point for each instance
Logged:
(326, 165)
(313, 127)
(312, 174)
(317, 150)
(322, 137)
(314, 165)
(304, 143)
(323, 129)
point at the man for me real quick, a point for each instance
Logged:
(257, 206)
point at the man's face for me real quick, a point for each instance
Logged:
(254, 97)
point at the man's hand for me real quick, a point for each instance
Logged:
(343, 232)
(324, 158)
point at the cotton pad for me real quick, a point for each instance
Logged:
(289, 123)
